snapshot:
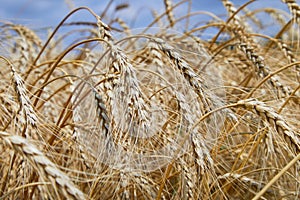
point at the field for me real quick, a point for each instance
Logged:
(100, 110)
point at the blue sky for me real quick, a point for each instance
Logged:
(50, 12)
(38, 14)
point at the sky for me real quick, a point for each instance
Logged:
(50, 12)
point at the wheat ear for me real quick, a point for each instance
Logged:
(103, 30)
(123, 24)
(193, 79)
(276, 14)
(246, 45)
(262, 69)
(168, 5)
(26, 108)
(231, 10)
(202, 154)
(189, 179)
(270, 115)
(129, 95)
(25, 104)
(102, 113)
(46, 168)
(290, 56)
(294, 9)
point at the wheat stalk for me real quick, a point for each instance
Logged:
(242, 178)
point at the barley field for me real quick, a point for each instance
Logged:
(100, 110)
